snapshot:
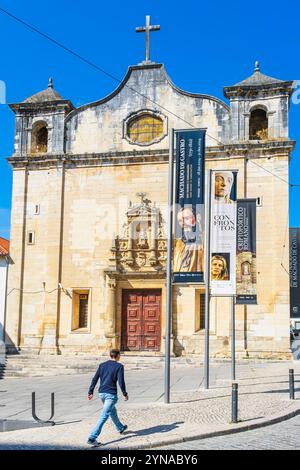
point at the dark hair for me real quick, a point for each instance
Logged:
(114, 353)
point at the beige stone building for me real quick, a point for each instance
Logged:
(89, 209)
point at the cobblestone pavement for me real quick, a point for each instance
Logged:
(263, 394)
(144, 386)
(282, 436)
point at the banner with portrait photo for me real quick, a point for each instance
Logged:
(188, 261)
(223, 232)
(295, 272)
(246, 276)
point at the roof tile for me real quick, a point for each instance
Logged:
(4, 247)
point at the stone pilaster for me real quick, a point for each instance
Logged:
(110, 329)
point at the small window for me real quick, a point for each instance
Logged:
(259, 201)
(80, 313)
(31, 238)
(145, 129)
(36, 209)
(83, 310)
(39, 138)
(200, 313)
(258, 126)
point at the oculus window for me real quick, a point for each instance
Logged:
(145, 129)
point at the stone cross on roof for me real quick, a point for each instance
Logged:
(147, 29)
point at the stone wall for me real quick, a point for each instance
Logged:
(95, 205)
(83, 192)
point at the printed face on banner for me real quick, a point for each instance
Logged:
(223, 232)
(188, 243)
(220, 267)
(224, 181)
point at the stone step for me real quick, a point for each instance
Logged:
(49, 365)
(25, 365)
(35, 373)
(63, 357)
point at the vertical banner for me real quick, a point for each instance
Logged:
(295, 272)
(223, 232)
(246, 252)
(188, 251)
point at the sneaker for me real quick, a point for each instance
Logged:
(124, 429)
(94, 443)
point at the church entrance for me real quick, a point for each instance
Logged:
(141, 320)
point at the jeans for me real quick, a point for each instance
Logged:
(109, 410)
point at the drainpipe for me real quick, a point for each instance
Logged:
(60, 255)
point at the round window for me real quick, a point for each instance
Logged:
(145, 129)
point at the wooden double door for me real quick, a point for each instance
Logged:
(141, 320)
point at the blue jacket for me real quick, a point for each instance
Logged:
(109, 373)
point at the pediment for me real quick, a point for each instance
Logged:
(108, 125)
(134, 81)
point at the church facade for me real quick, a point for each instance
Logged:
(89, 211)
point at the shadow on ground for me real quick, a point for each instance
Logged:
(164, 428)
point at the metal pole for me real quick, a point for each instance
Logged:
(291, 384)
(234, 403)
(169, 268)
(207, 277)
(232, 338)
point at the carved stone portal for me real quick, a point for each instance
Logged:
(143, 245)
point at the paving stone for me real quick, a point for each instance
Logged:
(263, 393)
(283, 436)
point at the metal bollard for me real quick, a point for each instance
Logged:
(33, 411)
(292, 384)
(234, 403)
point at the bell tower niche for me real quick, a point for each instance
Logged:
(259, 108)
(40, 123)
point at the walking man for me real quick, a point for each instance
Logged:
(109, 373)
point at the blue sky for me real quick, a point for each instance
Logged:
(204, 47)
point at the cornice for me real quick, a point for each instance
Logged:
(228, 151)
(125, 275)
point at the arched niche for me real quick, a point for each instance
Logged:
(39, 137)
(258, 124)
